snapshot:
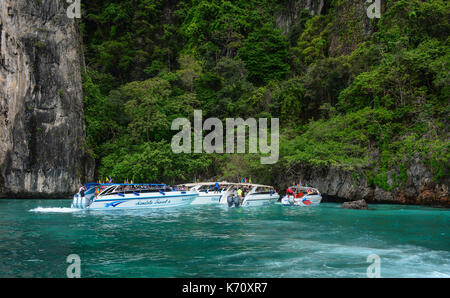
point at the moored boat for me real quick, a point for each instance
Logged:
(207, 191)
(227, 193)
(302, 196)
(131, 196)
(251, 195)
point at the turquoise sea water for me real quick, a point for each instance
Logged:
(36, 236)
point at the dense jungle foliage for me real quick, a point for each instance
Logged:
(365, 95)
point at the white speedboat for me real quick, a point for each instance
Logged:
(207, 193)
(131, 196)
(302, 196)
(252, 195)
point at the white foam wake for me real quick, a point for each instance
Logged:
(54, 210)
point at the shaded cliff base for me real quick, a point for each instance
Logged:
(431, 203)
(334, 199)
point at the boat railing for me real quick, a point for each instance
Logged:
(135, 189)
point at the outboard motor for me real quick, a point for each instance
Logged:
(233, 199)
(236, 201)
(291, 200)
(78, 201)
(230, 201)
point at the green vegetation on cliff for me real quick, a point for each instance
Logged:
(354, 93)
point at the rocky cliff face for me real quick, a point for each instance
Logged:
(351, 26)
(291, 12)
(41, 101)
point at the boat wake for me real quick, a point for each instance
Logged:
(55, 210)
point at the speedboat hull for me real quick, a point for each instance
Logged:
(208, 194)
(306, 201)
(207, 199)
(254, 195)
(253, 200)
(133, 201)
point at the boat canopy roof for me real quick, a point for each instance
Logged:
(187, 184)
(90, 185)
(253, 185)
(297, 188)
(205, 183)
(225, 183)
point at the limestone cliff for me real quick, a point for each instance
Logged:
(291, 12)
(41, 101)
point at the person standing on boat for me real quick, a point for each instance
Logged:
(289, 192)
(239, 193)
(216, 187)
(82, 190)
(290, 195)
(246, 191)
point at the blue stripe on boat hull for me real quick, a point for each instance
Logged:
(139, 198)
(142, 207)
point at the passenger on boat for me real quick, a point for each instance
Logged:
(247, 190)
(290, 195)
(289, 192)
(239, 194)
(82, 190)
(216, 187)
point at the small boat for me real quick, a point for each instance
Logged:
(303, 196)
(131, 196)
(207, 194)
(253, 195)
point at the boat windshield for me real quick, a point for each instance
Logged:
(107, 190)
(264, 190)
(136, 188)
(255, 188)
(211, 187)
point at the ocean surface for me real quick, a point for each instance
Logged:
(37, 236)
